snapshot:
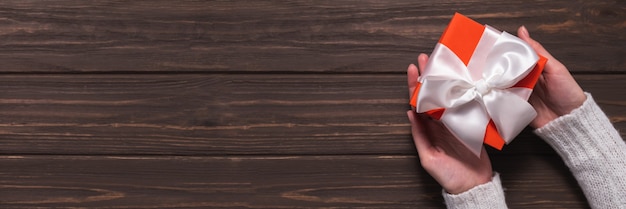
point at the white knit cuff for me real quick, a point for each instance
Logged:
(593, 150)
(487, 195)
(575, 136)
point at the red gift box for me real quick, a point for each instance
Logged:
(470, 43)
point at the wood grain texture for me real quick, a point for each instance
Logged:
(260, 104)
(262, 182)
(227, 114)
(71, 36)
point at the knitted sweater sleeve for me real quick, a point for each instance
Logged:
(594, 152)
(484, 196)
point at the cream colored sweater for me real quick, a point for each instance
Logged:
(590, 146)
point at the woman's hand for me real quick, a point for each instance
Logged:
(445, 158)
(556, 93)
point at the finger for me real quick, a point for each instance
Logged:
(412, 75)
(421, 62)
(553, 64)
(419, 137)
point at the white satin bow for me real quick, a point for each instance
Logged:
(473, 95)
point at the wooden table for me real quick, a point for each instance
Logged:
(260, 104)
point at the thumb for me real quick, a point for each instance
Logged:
(523, 34)
(553, 65)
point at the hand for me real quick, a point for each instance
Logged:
(445, 158)
(556, 93)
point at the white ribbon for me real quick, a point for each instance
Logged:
(480, 91)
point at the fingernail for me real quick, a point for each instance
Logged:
(410, 115)
(525, 31)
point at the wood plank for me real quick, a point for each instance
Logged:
(71, 36)
(262, 182)
(227, 114)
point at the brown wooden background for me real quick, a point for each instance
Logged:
(260, 104)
